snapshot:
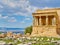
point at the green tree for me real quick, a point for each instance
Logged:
(0, 32)
(28, 30)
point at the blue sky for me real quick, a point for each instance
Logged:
(18, 13)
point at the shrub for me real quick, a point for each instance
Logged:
(28, 30)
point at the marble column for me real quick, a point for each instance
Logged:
(54, 21)
(40, 21)
(35, 21)
(46, 20)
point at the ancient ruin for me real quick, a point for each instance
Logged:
(46, 22)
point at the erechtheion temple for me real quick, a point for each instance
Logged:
(46, 22)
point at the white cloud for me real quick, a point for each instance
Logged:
(23, 5)
(1, 6)
(48, 0)
(5, 17)
(22, 22)
(31, 8)
(0, 16)
(20, 13)
(14, 3)
(46, 8)
(12, 19)
(11, 4)
(27, 19)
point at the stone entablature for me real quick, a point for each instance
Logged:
(46, 22)
(47, 10)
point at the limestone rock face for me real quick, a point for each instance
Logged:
(46, 23)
